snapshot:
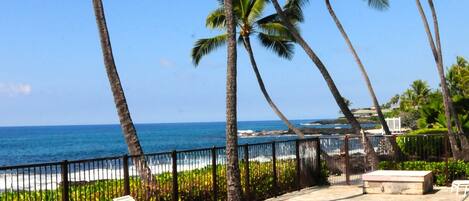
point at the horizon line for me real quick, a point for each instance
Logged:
(147, 123)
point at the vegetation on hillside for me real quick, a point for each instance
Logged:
(421, 107)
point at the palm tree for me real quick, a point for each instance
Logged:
(378, 4)
(371, 155)
(233, 176)
(127, 126)
(271, 33)
(450, 112)
(458, 77)
(421, 90)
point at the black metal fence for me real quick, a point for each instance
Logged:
(346, 158)
(267, 170)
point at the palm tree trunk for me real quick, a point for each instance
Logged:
(463, 139)
(127, 126)
(233, 177)
(247, 46)
(440, 59)
(362, 68)
(371, 156)
(365, 77)
(447, 102)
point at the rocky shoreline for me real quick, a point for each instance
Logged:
(306, 131)
(343, 121)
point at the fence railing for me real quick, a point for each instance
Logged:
(267, 169)
(347, 162)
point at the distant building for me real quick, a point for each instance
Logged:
(367, 112)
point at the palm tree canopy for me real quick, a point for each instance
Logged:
(272, 34)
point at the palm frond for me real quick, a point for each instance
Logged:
(292, 10)
(216, 19)
(378, 4)
(255, 10)
(277, 44)
(277, 29)
(204, 46)
(240, 40)
(241, 7)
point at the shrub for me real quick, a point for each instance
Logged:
(422, 146)
(428, 131)
(456, 169)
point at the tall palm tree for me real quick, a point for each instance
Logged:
(450, 112)
(127, 126)
(371, 155)
(271, 33)
(380, 5)
(233, 176)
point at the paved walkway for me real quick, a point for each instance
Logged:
(342, 193)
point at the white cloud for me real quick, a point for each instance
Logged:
(164, 62)
(15, 89)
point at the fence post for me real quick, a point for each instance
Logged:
(64, 175)
(175, 176)
(318, 159)
(125, 163)
(274, 169)
(397, 152)
(347, 160)
(246, 172)
(298, 167)
(446, 159)
(214, 173)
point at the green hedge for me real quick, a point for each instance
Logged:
(193, 184)
(428, 131)
(456, 169)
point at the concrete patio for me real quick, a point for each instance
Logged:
(354, 192)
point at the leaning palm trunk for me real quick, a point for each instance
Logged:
(247, 46)
(457, 123)
(365, 77)
(233, 177)
(447, 102)
(371, 155)
(126, 123)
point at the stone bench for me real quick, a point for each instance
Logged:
(398, 182)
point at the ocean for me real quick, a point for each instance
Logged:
(37, 144)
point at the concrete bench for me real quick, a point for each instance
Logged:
(398, 182)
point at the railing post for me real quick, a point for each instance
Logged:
(446, 159)
(318, 158)
(298, 167)
(64, 175)
(125, 163)
(214, 173)
(246, 172)
(347, 160)
(397, 152)
(274, 169)
(174, 176)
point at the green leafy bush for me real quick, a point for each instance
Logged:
(428, 131)
(456, 169)
(428, 146)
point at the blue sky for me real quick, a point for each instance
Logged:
(52, 70)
